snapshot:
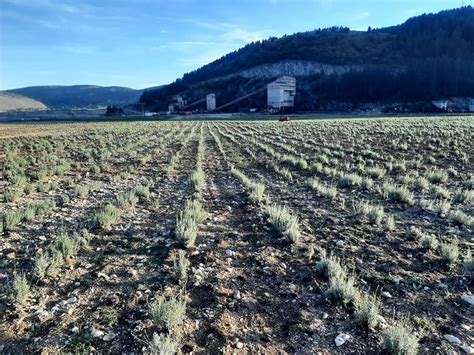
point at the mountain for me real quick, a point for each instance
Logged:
(428, 57)
(80, 96)
(13, 102)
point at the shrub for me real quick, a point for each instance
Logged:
(67, 245)
(64, 199)
(449, 252)
(440, 192)
(11, 195)
(257, 191)
(375, 172)
(82, 190)
(421, 184)
(367, 310)
(350, 180)
(469, 264)
(429, 241)
(283, 172)
(12, 219)
(28, 189)
(107, 216)
(367, 183)
(29, 213)
(41, 266)
(142, 191)
(374, 214)
(125, 200)
(169, 313)
(437, 176)
(397, 193)
(440, 207)
(460, 218)
(194, 210)
(284, 222)
(44, 207)
(46, 265)
(390, 224)
(342, 289)
(20, 289)
(399, 167)
(198, 179)
(164, 345)
(181, 266)
(299, 163)
(329, 266)
(186, 229)
(400, 338)
(464, 196)
(328, 192)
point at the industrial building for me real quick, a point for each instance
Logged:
(280, 97)
(281, 93)
(211, 102)
(177, 103)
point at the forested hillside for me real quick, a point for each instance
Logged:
(80, 95)
(425, 58)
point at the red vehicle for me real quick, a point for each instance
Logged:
(284, 119)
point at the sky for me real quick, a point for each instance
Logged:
(145, 43)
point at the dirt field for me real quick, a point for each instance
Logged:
(238, 237)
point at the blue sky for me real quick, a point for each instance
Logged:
(143, 43)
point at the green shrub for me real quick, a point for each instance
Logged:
(169, 313)
(460, 218)
(20, 289)
(198, 179)
(390, 224)
(329, 267)
(421, 184)
(181, 266)
(449, 252)
(82, 191)
(44, 207)
(375, 172)
(64, 199)
(142, 191)
(374, 214)
(399, 167)
(67, 245)
(186, 229)
(257, 192)
(367, 310)
(350, 180)
(29, 213)
(437, 176)
(12, 219)
(164, 345)
(464, 196)
(440, 207)
(342, 289)
(400, 339)
(194, 210)
(469, 264)
(429, 241)
(11, 195)
(46, 265)
(107, 216)
(397, 193)
(125, 200)
(440, 192)
(284, 222)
